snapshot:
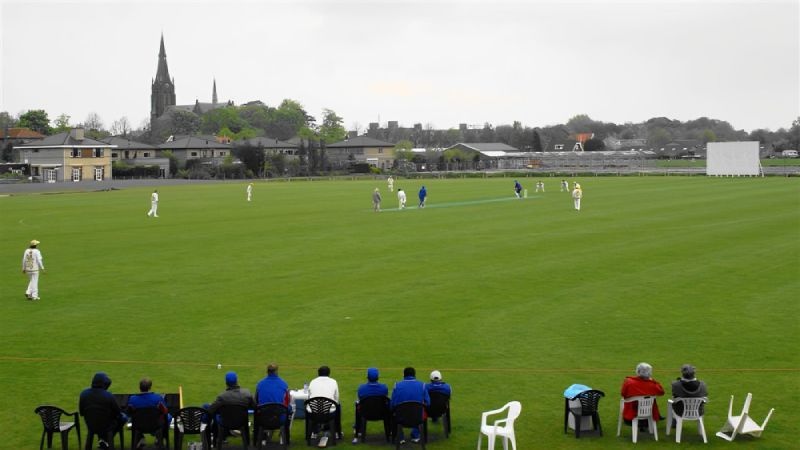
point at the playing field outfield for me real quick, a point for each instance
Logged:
(509, 299)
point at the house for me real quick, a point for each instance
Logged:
(362, 149)
(270, 146)
(19, 135)
(565, 145)
(68, 156)
(203, 148)
(488, 149)
(137, 154)
(789, 153)
(681, 147)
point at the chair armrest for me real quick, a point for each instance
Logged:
(489, 413)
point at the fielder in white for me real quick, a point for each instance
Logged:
(249, 192)
(153, 205)
(401, 198)
(390, 182)
(577, 194)
(564, 186)
(31, 265)
(540, 185)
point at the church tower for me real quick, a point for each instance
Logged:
(163, 88)
(214, 94)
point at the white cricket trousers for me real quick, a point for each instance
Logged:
(153, 209)
(577, 204)
(33, 284)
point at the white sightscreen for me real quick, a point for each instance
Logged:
(732, 158)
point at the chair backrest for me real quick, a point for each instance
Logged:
(409, 414)
(98, 419)
(746, 407)
(375, 407)
(51, 416)
(440, 404)
(589, 401)
(270, 415)
(148, 420)
(691, 406)
(234, 417)
(514, 410)
(645, 407)
(319, 406)
(191, 419)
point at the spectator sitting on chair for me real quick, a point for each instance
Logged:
(437, 385)
(100, 398)
(369, 389)
(325, 386)
(687, 386)
(642, 384)
(410, 390)
(272, 389)
(147, 399)
(232, 395)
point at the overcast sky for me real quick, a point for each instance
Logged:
(435, 61)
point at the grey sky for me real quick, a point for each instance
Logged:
(440, 62)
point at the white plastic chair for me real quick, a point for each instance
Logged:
(645, 412)
(742, 424)
(691, 411)
(506, 431)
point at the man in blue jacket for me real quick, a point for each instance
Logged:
(101, 402)
(423, 194)
(147, 399)
(272, 389)
(372, 388)
(410, 390)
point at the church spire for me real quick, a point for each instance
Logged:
(162, 74)
(214, 93)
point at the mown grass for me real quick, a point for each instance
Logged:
(509, 299)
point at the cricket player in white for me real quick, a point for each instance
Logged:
(577, 193)
(564, 186)
(401, 197)
(249, 191)
(31, 265)
(390, 182)
(540, 185)
(153, 205)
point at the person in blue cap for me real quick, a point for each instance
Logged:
(423, 194)
(372, 388)
(517, 189)
(232, 395)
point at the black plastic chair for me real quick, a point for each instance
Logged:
(99, 422)
(150, 421)
(51, 420)
(440, 409)
(189, 421)
(233, 417)
(271, 417)
(589, 403)
(410, 415)
(373, 409)
(319, 413)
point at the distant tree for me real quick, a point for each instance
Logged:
(93, 122)
(402, 151)
(7, 120)
(216, 119)
(594, 145)
(331, 130)
(180, 121)
(793, 137)
(708, 136)
(287, 120)
(537, 142)
(173, 161)
(62, 124)
(36, 120)
(658, 137)
(252, 157)
(121, 127)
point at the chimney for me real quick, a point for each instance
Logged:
(77, 134)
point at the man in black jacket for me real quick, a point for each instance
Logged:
(98, 402)
(687, 386)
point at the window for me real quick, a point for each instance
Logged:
(221, 153)
(146, 154)
(98, 174)
(162, 173)
(115, 155)
(98, 153)
(76, 174)
(559, 147)
(380, 150)
(194, 153)
(76, 153)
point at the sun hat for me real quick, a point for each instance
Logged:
(436, 375)
(34, 242)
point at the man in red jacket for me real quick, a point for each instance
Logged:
(640, 385)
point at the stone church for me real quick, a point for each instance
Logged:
(162, 97)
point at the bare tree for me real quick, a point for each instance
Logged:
(93, 122)
(121, 127)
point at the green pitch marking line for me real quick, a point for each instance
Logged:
(452, 204)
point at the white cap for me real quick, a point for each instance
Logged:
(436, 375)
